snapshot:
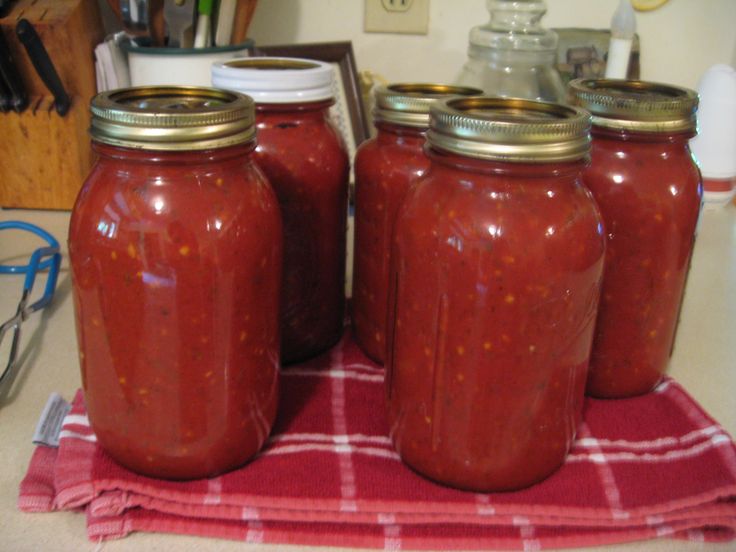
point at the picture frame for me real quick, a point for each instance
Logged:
(348, 113)
(584, 53)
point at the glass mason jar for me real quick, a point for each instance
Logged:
(305, 160)
(385, 166)
(513, 55)
(495, 277)
(649, 191)
(175, 249)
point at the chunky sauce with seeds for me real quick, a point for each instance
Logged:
(495, 281)
(176, 262)
(384, 168)
(306, 163)
(649, 193)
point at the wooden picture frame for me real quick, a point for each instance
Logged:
(583, 53)
(348, 112)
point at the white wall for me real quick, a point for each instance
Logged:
(678, 41)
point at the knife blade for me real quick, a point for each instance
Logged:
(44, 66)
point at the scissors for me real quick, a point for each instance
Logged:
(43, 258)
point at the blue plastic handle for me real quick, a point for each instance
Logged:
(41, 259)
(28, 227)
(34, 266)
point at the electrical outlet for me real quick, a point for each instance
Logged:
(396, 16)
(396, 5)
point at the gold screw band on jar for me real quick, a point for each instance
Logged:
(170, 118)
(408, 103)
(636, 105)
(509, 129)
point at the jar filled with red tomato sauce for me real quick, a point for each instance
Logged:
(304, 157)
(495, 276)
(175, 249)
(385, 166)
(649, 191)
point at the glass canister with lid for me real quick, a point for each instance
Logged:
(385, 166)
(175, 248)
(513, 55)
(649, 190)
(494, 284)
(305, 160)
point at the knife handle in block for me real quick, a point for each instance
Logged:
(44, 66)
(14, 91)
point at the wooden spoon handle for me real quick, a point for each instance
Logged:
(243, 16)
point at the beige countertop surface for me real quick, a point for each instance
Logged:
(703, 362)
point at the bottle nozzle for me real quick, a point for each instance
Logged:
(623, 28)
(623, 23)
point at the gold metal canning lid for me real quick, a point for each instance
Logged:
(509, 129)
(172, 118)
(636, 105)
(408, 103)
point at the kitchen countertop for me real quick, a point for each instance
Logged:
(703, 362)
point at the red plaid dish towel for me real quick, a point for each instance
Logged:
(647, 467)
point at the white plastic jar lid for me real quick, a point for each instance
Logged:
(276, 80)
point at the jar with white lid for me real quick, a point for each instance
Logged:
(305, 159)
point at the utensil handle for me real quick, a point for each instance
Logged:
(6, 101)
(14, 91)
(44, 66)
(243, 15)
(225, 20)
(5, 6)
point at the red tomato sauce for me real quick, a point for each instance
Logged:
(649, 192)
(385, 166)
(306, 163)
(495, 283)
(176, 261)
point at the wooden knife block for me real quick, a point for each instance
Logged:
(44, 158)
